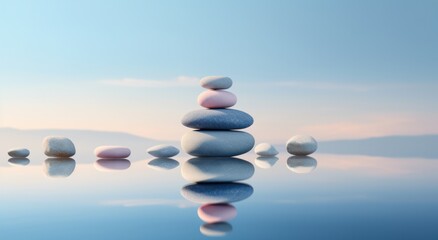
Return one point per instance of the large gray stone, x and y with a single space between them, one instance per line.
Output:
216 82
19 152
209 143
58 147
216 169
301 145
217 119
59 167
163 151
217 192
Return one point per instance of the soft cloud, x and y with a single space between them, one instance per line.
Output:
181 81
149 202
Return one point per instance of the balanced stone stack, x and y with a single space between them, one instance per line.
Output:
216 140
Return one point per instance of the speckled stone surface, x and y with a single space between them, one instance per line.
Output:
217 119
216 192
208 143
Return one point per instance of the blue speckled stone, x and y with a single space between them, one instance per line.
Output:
209 143
217 192
217 119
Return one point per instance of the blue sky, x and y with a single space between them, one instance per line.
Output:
364 67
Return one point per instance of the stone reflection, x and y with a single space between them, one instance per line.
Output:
163 164
265 162
19 161
112 165
204 193
59 167
301 164
218 229
219 212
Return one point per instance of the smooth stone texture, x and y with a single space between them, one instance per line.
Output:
216 192
205 143
112 165
59 167
218 229
163 151
221 212
19 162
216 169
301 164
19 153
217 99
265 150
58 147
112 152
301 145
163 164
217 119
265 162
216 82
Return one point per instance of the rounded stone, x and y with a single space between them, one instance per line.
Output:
216 169
301 145
216 82
217 119
301 164
207 143
217 192
59 167
265 150
163 164
19 153
58 147
112 165
217 99
19 162
265 162
163 151
112 152
218 229
221 212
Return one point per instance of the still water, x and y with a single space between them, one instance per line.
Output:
326 197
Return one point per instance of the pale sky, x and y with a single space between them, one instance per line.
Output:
331 69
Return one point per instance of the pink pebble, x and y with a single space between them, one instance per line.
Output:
112 152
217 99
211 213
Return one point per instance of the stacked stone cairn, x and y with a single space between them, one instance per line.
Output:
214 143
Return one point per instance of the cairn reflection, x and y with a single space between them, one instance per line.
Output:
59 167
18 161
218 229
301 164
163 164
112 165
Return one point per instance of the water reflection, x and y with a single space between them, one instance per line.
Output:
265 162
217 192
59 167
112 165
19 162
163 164
301 164
216 169
221 212
218 229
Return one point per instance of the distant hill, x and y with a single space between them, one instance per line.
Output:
425 146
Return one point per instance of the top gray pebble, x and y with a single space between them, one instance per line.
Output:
216 82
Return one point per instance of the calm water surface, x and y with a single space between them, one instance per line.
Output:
328 197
